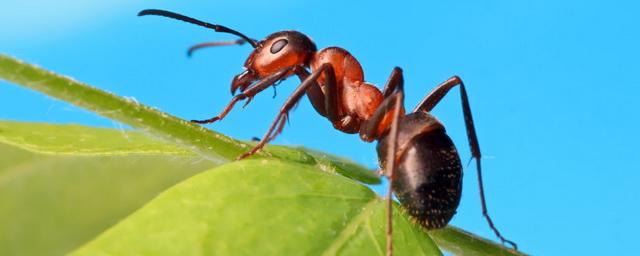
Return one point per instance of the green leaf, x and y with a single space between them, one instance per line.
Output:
51 204
208 144
262 207
83 166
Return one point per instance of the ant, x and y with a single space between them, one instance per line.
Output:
419 159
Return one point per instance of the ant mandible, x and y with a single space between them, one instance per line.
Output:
419 159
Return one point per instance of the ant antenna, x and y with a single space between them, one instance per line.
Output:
217 28
210 44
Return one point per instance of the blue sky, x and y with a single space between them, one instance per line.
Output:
552 85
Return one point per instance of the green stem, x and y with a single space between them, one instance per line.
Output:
460 242
211 145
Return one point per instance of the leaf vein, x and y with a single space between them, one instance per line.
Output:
350 228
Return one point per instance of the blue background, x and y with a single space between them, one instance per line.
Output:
552 85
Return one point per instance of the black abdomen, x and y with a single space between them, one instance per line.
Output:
428 179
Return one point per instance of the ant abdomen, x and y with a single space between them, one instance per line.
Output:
428 181
428 175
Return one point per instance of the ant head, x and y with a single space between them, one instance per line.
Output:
279 50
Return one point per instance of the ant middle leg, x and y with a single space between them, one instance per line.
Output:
378 122
392 104
391 165
429 102
394 82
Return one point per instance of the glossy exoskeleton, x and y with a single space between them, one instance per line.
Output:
415 152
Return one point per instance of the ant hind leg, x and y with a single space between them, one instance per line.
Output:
429 102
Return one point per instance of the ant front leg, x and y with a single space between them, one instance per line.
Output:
429 102
295 97
248 93
325 103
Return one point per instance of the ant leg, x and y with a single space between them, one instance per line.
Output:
248 93
314 92
434 97
295 97
325 103
393 103
377 123
391 164
429 102
393 82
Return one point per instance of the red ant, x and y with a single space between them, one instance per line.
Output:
422 164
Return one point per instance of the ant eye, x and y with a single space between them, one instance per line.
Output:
278 45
